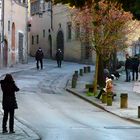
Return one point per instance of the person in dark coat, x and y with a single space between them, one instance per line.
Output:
59 57
135 65
9 103
39 58
128 67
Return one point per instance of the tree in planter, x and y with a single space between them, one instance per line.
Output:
105 26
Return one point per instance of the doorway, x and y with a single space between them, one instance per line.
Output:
60 41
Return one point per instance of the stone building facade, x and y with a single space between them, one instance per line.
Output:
51 28
14 34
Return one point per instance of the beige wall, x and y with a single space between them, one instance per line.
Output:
61 15
15 14
72 48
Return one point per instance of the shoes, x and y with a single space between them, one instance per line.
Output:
4 131
11 132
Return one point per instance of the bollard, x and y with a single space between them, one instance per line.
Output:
88 69
138 111
85 69
109 99
74 81
104 97
81 72
124 98
76 73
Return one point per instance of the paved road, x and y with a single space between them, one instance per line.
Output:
55 114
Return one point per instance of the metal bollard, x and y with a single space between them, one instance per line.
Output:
138 111
74 81
85 69
109 99
76 73
104 97
88 69
124 99
81 72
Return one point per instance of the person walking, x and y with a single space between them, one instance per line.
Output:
9 103
39 58
135 66
59 57
128 67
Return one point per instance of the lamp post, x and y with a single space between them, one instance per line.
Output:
51 15
50 9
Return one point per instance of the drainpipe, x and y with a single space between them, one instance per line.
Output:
51 16
26 30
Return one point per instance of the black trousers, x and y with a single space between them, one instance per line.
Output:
59 62
10 114
135 71
41 63
100 93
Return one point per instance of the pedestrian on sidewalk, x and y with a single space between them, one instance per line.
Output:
9 103
59 57
135 65
108 87
39 58
128 68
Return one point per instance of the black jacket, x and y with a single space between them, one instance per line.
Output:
135 62
59 55
128 63
39 55
9 100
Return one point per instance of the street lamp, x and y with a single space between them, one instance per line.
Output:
49 9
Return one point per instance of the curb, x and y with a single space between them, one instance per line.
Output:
27 130
99 106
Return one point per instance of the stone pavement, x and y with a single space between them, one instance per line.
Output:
120 86
23 132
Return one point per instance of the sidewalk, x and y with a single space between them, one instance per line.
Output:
22 131
132 88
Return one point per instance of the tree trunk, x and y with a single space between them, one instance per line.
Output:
114 60
101 78
96 74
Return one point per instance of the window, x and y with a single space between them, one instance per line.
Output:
22 1
49 6
32 40
69 30
44 33
77 31
8 25
37 39
35 7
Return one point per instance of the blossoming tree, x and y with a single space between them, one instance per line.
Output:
105 26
